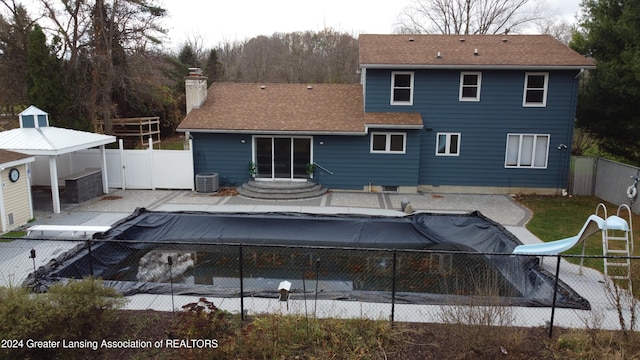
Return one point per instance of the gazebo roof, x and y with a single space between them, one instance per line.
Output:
32 110
50 140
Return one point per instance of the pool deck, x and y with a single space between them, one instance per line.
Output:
15 263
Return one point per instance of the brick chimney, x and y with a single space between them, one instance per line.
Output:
196 89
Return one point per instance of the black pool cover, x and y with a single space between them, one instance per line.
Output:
115 254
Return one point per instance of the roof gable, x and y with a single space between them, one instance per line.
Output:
469 51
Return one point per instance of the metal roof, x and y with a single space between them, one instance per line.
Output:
50 140
32 110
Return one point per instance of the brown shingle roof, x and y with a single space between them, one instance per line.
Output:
393 119
281 108
494 51
7 156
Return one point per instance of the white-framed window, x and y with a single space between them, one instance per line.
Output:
447 144
470 86
402 88
535 89
393 143
527 151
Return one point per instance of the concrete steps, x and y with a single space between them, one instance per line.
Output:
281 190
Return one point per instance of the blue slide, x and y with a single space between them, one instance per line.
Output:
593 224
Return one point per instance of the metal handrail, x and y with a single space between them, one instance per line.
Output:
323 168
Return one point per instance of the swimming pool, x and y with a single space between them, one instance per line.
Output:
425 258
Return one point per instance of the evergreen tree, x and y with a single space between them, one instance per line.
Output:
213 68
607 107
44 77
187 56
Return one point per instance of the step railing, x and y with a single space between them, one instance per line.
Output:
323 168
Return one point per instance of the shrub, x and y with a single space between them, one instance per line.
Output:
86 305
78 310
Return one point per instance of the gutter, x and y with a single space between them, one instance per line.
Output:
273 132
479 67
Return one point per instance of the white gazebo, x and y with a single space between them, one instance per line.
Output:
35 137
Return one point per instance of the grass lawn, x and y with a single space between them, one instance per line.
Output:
556 217
12 235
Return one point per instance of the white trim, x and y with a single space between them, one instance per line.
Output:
478 86
479 67
392 126
271 132
533 151
387 149
448 143
393 87
545 89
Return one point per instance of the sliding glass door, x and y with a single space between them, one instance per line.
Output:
282 158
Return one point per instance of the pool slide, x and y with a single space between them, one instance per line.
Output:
593 224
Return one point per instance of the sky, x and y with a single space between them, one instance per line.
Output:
235 20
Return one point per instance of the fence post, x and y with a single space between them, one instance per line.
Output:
90 259
393 287
555 294
241 283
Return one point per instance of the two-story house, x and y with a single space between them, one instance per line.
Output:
442 113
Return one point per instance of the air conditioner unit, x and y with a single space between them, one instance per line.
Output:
207 182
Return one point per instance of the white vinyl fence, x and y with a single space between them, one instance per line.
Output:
126 169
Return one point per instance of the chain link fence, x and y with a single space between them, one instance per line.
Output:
436 285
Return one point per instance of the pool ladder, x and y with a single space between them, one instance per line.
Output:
617 240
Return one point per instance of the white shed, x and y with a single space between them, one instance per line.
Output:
16 204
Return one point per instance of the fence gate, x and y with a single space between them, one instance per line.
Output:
137 168
583 175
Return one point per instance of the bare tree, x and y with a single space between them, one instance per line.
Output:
557 27
327 56
121 26
468 16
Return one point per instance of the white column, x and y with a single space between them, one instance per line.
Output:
151 160
27 166
105 178
3 210
55 191
123 176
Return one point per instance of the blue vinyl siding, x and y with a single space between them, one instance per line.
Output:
483 128
224 154
484 125
354 167
348 157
